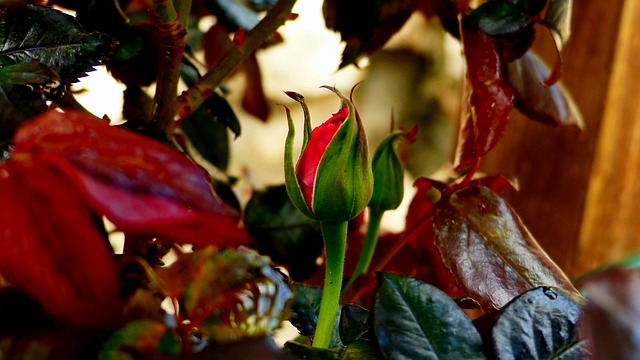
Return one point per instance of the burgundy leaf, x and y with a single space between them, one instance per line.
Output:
490 99
141 185
253 99
489 250
549 104
50 246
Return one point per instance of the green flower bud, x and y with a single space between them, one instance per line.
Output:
332 180
388 172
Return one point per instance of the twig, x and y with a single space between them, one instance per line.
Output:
193 97
172 18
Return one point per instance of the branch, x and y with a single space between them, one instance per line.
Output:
172 18
195 96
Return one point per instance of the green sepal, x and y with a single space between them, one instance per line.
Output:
388 174
307 118
344 180
290 180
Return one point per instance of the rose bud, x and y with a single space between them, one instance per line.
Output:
333 180
388 172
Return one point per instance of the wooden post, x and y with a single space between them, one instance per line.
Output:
554 164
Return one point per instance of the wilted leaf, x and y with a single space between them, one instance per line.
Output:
559 19
549 104
489 250
140 337
45 35
50 247
490 99
127 178
282 232
365 26
539 324
228 295
305 309
613 313
414 320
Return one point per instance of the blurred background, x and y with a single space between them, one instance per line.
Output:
579 191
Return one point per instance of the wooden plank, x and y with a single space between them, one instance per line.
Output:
611 224
553 164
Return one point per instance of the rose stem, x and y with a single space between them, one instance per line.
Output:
369 246
335 243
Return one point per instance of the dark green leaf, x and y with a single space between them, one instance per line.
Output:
283 232
559 19
45 35
17 104
499 18
208 136
415 320
359 350
305 308
216 104
488 249
27 73
539 324
354 323
549 104
612 313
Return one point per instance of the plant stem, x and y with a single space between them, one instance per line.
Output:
335 244
172 18
193 97
369 247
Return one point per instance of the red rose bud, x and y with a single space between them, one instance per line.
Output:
388 172
332 180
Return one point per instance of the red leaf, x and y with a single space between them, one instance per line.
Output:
253 99
489 250
128 178
549 104
490 99
423 240
215 43
50 247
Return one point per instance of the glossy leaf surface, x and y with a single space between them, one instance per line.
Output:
490 99
489 250
42 34
305 309
549 104
128 177
414 320
539 324
559 19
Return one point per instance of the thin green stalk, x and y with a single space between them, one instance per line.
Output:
369 246
335 244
